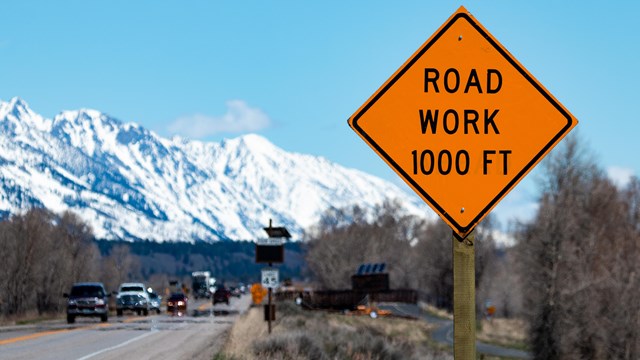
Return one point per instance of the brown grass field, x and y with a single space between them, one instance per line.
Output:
301 334
505 332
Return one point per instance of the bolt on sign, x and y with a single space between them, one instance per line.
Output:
462 122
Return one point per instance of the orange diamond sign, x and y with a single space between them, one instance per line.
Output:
462 122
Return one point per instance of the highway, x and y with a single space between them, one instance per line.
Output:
198 334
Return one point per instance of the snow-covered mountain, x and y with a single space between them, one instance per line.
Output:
129 183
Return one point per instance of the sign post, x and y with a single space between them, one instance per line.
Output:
270 280
464 297
271 251
462 122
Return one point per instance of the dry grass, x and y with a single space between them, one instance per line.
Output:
511 333
31 317
506 332
245 330
441 313
299 334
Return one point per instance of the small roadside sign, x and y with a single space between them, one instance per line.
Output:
270 278
462 122
271 241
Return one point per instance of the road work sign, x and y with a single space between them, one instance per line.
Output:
462 122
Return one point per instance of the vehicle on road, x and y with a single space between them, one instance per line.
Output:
132 302
132 296
155 301
202 284
88 299
177 303
221 295
243 288
235 291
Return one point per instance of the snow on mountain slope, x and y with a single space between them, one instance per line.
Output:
129 183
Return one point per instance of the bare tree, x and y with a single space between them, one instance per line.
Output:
120 266
24 239
555 230
344 239
9 269
41 253
71 256
433 261
76 238
578 260
502 285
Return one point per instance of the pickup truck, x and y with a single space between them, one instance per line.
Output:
133 297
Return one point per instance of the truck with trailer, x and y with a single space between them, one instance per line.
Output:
202 284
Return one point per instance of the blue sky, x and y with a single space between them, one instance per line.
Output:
294 71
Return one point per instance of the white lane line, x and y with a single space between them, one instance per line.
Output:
119 345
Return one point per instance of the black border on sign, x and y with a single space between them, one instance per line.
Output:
462 229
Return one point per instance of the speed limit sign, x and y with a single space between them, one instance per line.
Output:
270 278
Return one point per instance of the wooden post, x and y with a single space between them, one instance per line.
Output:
464 298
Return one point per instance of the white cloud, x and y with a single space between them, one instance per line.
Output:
522 211
239 118
521 204
503 238
619 175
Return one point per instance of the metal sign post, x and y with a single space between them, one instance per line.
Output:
270 279
270 315
270 251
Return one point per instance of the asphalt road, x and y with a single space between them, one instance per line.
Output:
198 334
444 331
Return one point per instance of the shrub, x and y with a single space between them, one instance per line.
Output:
289 347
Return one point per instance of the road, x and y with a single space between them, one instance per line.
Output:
444 331
199 334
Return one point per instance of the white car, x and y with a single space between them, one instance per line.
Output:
134 297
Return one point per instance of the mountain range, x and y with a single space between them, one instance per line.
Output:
129 183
